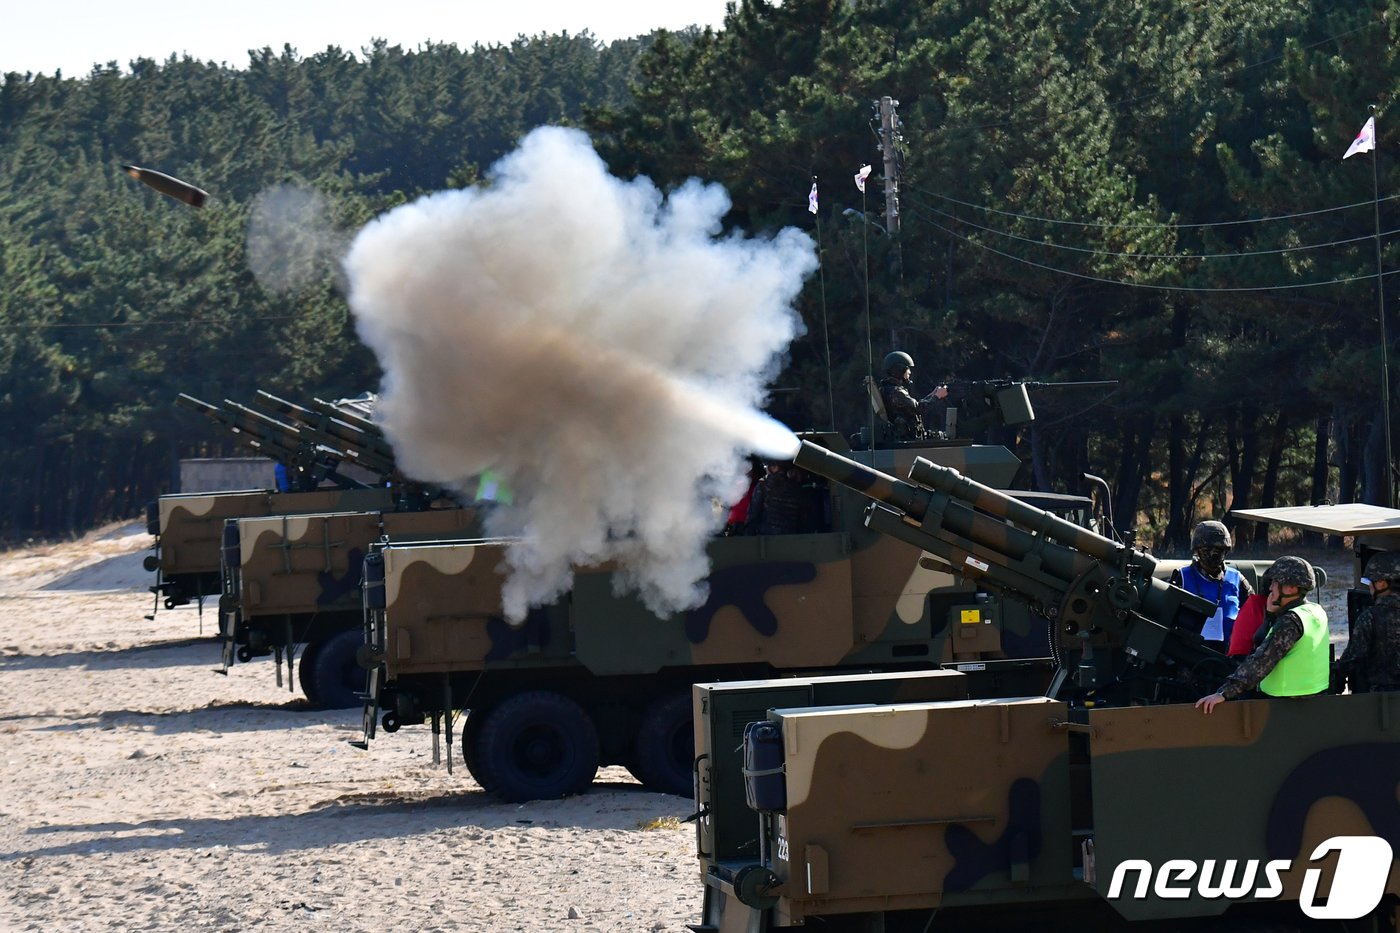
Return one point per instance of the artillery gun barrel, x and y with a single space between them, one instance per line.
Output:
968 541
372 433
272 439
965 489
1008 545
904 496
349 417
194 404
1092 586
255 419
365 446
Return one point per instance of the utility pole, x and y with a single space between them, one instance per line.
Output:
889 137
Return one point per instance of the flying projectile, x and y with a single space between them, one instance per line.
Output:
172 187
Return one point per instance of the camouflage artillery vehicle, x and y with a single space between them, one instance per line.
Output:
188 528
1108 802
598 679
294 580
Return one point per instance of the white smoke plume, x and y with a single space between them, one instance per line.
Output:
292 239
601 347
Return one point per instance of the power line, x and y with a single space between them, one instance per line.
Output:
1153 286
1182 255
186 323
1159 226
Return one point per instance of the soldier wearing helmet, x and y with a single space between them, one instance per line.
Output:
906 414
1209 578
1372 659
1292 660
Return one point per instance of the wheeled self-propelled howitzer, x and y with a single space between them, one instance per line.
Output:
333 457
188 526
1117 632
293 579
597 678
904 805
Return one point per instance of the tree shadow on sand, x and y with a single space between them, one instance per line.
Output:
360 818
200 650
222 717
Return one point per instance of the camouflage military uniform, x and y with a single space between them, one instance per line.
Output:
1372 658
906 419
1284 630
779 505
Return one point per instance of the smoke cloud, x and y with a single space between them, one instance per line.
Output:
601 347
292 240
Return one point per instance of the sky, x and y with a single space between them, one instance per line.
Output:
73 35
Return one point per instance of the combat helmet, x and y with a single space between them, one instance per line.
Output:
1211 534
896 362
1384 566
1293 571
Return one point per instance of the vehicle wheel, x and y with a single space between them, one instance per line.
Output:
334 676
304 671
539 745
665 750
471 738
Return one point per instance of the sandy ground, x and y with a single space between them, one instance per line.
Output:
145 792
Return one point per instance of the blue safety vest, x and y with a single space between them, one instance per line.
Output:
1224 593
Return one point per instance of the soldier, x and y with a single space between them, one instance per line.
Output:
1208 577
905 413
1372 659
1292 661
779 502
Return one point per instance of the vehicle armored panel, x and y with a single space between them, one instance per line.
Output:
188 530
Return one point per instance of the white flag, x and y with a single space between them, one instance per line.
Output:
1365 141
861 176
812 199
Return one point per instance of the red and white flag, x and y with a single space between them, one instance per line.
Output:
812 199
1365 141
861 176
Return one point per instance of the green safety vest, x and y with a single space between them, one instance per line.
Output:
1305 669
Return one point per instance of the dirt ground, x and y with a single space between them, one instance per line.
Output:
143 791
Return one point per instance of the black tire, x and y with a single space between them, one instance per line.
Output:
334 676
304 675
471 737
539 745
665 750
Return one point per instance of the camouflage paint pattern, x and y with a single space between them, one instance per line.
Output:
1261 779
722 710
966 804
308 563
443 612
845 596
190 525
901 806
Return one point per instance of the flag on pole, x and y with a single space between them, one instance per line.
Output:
812 199
1365 141
861 176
